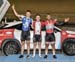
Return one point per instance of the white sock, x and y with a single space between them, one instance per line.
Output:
39 53
46 53
53 52
34 52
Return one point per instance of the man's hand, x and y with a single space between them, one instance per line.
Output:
13 6
55 20
67 19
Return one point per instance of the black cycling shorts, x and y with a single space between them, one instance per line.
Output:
50 37
25 35
37 38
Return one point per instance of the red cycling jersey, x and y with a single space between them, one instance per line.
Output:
50 26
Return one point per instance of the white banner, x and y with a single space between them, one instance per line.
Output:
17 35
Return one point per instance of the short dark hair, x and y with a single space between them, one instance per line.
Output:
48 13
37 14
28 11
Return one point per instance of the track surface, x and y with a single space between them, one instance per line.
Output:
60 58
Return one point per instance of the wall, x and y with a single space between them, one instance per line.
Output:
58 8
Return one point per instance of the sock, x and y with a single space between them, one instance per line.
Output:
39 52
53 52
34 52
46 53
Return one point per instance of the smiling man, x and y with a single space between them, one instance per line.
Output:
26 23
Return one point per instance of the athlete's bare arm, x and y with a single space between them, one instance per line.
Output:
61 23
32 25
16 14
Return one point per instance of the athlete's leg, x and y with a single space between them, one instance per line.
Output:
46 49
22 46
22 49
34 49
39 47
53 50
53 45
28 43
28 48
46 45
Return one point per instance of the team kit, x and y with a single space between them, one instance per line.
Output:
37 26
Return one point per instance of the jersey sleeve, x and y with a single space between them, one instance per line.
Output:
21 17
31 21
60 23
43 24
55 21
33 24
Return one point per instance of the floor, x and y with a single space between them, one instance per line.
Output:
60 58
